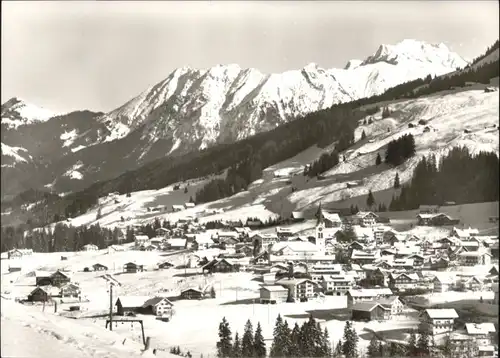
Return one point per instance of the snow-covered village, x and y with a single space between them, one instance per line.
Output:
226 211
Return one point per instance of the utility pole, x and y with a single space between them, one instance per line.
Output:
110 306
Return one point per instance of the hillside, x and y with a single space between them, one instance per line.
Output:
194 109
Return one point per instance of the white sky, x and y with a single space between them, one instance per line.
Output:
97 55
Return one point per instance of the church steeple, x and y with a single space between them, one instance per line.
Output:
319 214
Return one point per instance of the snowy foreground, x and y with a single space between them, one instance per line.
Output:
28 332
194 324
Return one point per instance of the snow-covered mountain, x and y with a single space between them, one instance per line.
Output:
198 108
17 112
194 109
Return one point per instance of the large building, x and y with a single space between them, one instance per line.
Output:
440 321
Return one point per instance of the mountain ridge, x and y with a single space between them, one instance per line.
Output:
193 110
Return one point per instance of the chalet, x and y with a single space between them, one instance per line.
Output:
473 284
393 303
43 278
337 285
189 205
318 271
99 267
299 289
439 219
245 249
369 311
176 208
165 265
474 258
470 245
203 241
140 240
19 253
132 267
70 290
439 321
220 265
90 247
364 257
176 244
40 294
273 294
59 278
404 281
367 294
157 241
418 260
191 294
159 306
294 248
402 264
464 234
378 233
367 219
443 282
378 277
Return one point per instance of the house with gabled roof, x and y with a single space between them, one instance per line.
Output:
482 333
443 281
273 294
393 303
365 218
299 289
404 281
464 234
71 290
367 294
474 258
369 311
439 320
43 294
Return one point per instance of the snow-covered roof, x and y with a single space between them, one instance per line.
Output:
333 217
141 237
274 288
473 253
294 281
177 242
440 313
297 246
366 306
370 292
464 232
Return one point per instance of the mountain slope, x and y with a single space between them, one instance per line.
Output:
196 109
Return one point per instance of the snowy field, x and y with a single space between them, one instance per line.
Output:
448 115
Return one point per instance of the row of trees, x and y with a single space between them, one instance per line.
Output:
250 345
61 238
460 177
400 149
325 162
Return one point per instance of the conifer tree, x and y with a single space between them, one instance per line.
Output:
259 344
247 342
412 344
326 347
373 347
294 349
370 200
378 160
338 349
423 341
350 344
224 345
447 347
397 185
363 135
277 349
236 353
